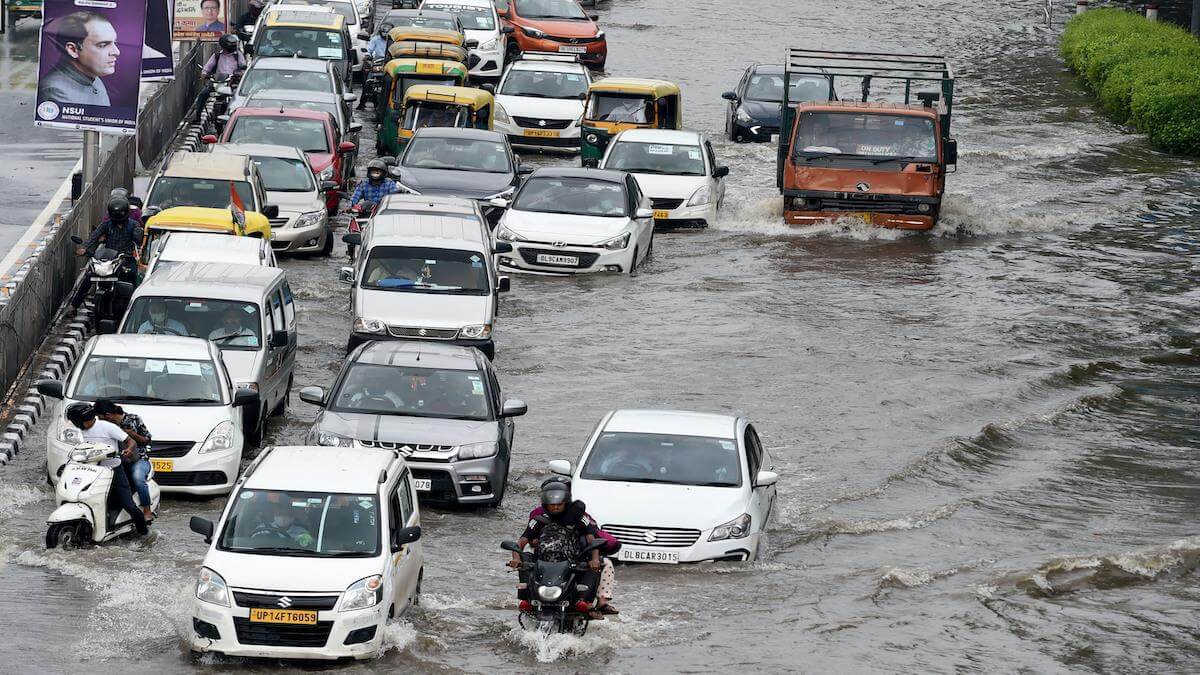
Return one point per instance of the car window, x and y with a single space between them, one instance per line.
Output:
257 79
753 451
664 458
170 191
277 324
712 157
289 306
302 42
310 524
231 324
308 135
412 392
406 500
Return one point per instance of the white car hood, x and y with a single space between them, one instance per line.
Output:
660 186
300 202
552 227
289 574
179 422
241 364
423 310
650 505
548 108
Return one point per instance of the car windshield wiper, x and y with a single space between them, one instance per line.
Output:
715 483
138 398
272 550
898 158
195 399
345 554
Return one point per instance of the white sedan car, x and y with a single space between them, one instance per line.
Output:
539 102
707 476
570 221
677 170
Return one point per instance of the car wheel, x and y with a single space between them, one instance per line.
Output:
260 427
650 247
327 249
633 264
495 503
512 52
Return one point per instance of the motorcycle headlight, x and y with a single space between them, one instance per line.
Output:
744 116
505 234
701 196
107 268
502 114
475 332
362 325
333 440
549 593
210 587
326 173
735 529
478 450
67 433
616 243
362 594
489 45
220 438
309 219
534 33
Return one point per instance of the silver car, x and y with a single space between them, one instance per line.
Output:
438 405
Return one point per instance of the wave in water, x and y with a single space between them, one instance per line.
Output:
1101 572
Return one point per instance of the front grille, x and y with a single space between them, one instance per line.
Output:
424 333
279 222
190 478
272 601
666 203
585 259
872 205
576 40
542 141
282 634
170 448
668 537
407 449
541 123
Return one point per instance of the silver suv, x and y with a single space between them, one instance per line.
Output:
439 405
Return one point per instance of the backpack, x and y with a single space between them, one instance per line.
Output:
558 543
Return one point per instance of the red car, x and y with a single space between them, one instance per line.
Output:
559 26
313 131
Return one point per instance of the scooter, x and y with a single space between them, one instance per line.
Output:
360 217
555 603
84 492
110 295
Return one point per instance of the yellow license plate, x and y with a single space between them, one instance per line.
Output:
162 465
662 215
859 215
429 68
541 133
301 616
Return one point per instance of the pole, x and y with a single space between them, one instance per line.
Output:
91 156
1152 12
1196 18
1080 6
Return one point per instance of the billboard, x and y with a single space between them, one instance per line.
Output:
156 51
203 20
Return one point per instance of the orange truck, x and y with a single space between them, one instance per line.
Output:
884 163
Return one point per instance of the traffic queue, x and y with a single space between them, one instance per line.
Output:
319 545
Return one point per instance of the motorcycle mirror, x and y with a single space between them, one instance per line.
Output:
202 526
51 388
510 545
77 240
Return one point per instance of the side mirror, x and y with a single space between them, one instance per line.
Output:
346 274
202 526
513 408
270 210
720 172
51 388
327 185
355 127
279 339
387 159
313 395
108 326
346 147
561 467
394 171
499 202
245 398
503 247
352 238
508 30
471 44
765 478
223 119
643 213
730 96
349 98
209 138
510 545
590 162
224 90
405 535
951 151
504 284
488 87
525 170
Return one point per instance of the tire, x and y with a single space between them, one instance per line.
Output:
495 503
512 52
633 264
260 428
327 249
650 248
416 598
65 535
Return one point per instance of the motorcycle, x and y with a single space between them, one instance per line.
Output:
84 490
555 603
223 88
360 217
110 295
373 87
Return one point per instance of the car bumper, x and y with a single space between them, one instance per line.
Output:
467 482
524 258
211 473
491 63
289 239
564 139
488 346
686 216
755 131
885 220
703 550
340 625
594 55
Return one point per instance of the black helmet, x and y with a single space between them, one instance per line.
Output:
376 165
78 413
118 209
555 492
229 42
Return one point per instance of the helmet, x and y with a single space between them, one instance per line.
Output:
229 42
376 165
555 492
78 413
385 28
118 209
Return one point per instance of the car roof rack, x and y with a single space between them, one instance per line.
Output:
549 56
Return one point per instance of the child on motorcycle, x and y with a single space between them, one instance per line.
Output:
136 463
83 416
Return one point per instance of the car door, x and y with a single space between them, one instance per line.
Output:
761 498
289 324
404 564
276 378
643 227
507 425
716 185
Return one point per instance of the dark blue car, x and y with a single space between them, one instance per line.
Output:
755 107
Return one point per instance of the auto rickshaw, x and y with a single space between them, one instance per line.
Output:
445 51
200 219
617 104
399 76
419 34
427 105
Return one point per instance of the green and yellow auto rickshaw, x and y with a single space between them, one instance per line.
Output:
409 42
399 76
428 105
616 104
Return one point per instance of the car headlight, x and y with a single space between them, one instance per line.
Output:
210 587
220 438
332 440
744 116
701 196
489 45
616 243
406 189
502 114
309 219
67 433
476 332
362 594
599 35
735 529
549 593
362 325
327 173
507 194
478 450
505 234
534 33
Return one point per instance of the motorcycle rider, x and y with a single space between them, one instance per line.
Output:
608 578
137 464
377 51
370 190
227 61
83 416
119 232
249 18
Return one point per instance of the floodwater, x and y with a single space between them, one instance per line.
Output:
986 434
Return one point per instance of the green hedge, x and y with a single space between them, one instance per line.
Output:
1144 73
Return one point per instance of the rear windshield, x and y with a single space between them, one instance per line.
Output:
617 108
257 79
284 174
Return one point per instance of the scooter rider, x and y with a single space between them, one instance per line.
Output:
137 464
377 50
83 416
227 61
119 232
375 186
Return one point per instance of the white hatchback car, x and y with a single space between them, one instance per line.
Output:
315 550
677 170
570 221
708 477
539 102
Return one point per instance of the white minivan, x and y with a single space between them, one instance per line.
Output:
316 549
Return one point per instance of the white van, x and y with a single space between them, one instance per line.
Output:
426 272
316 549
180 247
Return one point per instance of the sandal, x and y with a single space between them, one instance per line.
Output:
609 610
595 615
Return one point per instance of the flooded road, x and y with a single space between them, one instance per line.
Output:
986 434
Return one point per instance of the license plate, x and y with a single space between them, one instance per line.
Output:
545 259
301 616
861 215
569 49
435 68
541 133
163 465
642 555
423 484
662 214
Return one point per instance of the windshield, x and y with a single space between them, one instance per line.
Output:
150 381
310 524
305 134
231 324
870 136
676 160
549 9
617 108
664 458
425 114
457 154
420 392
285 174
769 87
422 22
471 18
208 193
407 81
544 84
577 196
277 103
415 269
257 79
310 43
